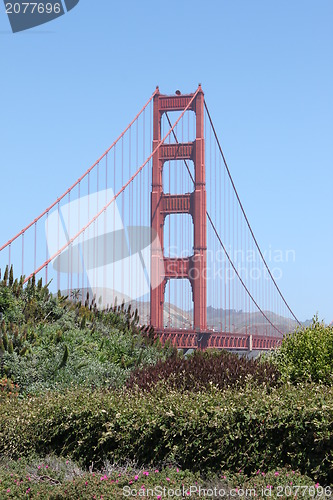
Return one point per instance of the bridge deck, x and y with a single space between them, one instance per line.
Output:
190 339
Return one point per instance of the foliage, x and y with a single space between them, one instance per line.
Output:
56 479
53 478
50 342
307 354
209 412
8 389
203 369
210 430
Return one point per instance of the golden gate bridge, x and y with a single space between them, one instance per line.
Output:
157 222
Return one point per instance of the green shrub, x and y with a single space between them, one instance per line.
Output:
210 430
307 354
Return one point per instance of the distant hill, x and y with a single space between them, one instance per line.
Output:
217 319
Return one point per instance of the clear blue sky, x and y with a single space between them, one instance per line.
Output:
68 89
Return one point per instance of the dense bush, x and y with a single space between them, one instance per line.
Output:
203 369
50 342
307 354
244 429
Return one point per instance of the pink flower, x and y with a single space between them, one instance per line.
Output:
317 485
136 478
146 473
8 491
177 470
156 471
276 473
167 478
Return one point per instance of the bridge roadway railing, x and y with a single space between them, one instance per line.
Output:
190 339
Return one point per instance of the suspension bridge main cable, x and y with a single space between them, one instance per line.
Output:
246 219
223 247
70 241
9 242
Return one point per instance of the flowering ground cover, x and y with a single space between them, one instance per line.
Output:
54 478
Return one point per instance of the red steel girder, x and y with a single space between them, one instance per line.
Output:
176 268
176 204
189 339
179 151
175 103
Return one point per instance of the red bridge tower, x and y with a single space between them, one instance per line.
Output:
192 268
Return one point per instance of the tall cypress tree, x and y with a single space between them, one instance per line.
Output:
5 276
11 276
